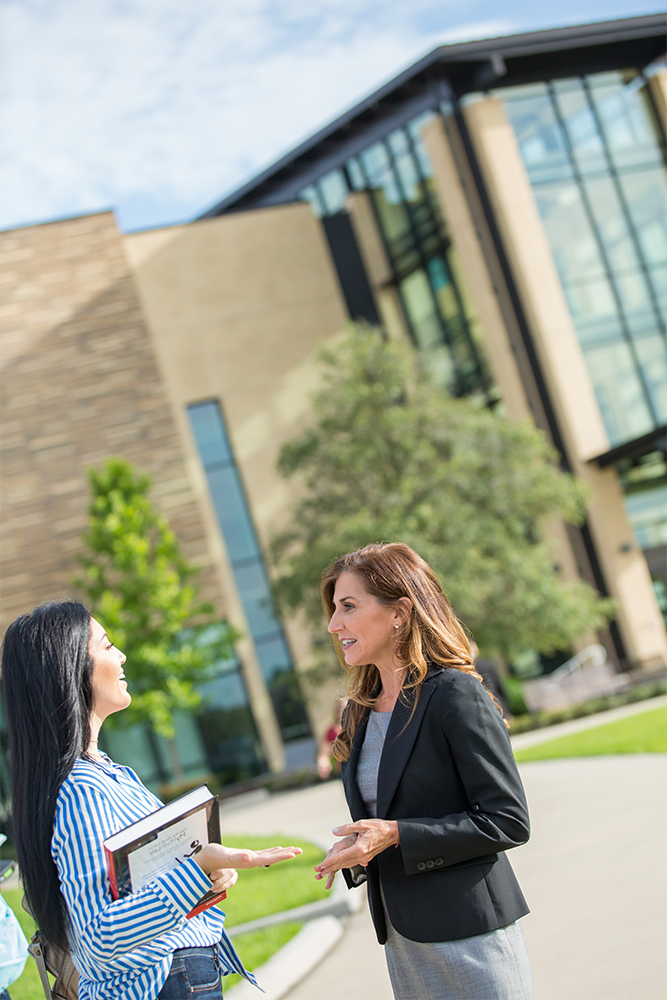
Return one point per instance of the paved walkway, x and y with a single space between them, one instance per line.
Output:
594 873
595 876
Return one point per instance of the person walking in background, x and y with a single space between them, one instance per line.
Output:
62 677
324 762
431 782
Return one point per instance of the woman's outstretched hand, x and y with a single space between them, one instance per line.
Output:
216 857
361 842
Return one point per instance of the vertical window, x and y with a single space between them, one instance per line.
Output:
249 568
227 728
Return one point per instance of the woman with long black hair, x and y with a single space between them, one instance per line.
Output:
62 677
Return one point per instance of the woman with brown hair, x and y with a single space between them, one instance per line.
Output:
431 782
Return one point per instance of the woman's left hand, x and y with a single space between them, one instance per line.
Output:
216 857
371 837
223 879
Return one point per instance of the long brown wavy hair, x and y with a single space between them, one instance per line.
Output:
431 634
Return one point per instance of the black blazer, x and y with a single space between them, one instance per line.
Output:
448 775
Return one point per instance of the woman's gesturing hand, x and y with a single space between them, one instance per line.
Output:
223 879
362 841
215 857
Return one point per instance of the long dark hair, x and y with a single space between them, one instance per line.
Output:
46 677
432 634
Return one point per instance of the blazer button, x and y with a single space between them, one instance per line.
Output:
438 862
475 807
420 866
430 864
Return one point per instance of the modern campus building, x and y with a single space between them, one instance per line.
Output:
501 203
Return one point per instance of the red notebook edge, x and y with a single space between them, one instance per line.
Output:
201 906
111 871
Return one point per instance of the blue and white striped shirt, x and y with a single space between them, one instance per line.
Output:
123 948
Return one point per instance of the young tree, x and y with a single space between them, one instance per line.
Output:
141 588
390 457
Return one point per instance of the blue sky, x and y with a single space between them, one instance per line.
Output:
158 108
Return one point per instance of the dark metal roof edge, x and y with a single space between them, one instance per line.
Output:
532 42
509 46
655 440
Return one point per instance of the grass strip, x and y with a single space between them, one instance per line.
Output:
256 947
523 723
645 732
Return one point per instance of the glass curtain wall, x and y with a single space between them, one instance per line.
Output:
226 727
644 482
397 174
596 161
249 569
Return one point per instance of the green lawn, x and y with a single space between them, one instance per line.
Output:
642 733
257 947
258 892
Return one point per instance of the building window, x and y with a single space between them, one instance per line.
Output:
397 174
249 569
594 157
227 728
644 482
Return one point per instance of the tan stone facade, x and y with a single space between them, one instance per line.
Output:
106 340
236 306
80 382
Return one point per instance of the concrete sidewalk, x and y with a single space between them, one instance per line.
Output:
594 874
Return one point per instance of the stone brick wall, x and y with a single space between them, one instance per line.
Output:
79 382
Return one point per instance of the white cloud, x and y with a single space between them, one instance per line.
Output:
159 107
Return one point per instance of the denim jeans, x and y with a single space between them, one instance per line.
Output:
195 975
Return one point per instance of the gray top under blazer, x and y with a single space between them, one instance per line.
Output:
448 775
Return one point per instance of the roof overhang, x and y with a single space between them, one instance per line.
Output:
655 440
463 68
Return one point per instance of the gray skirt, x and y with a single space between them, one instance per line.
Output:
491 966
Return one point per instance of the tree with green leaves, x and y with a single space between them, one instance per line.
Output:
390 457
144 592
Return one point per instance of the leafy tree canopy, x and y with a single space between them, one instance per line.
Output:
389 457
141 588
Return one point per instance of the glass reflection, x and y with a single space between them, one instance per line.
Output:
228 730
593 158
397 174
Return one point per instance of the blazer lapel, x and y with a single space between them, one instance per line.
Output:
398 744
355 802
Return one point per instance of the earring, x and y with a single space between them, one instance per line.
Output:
396 626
